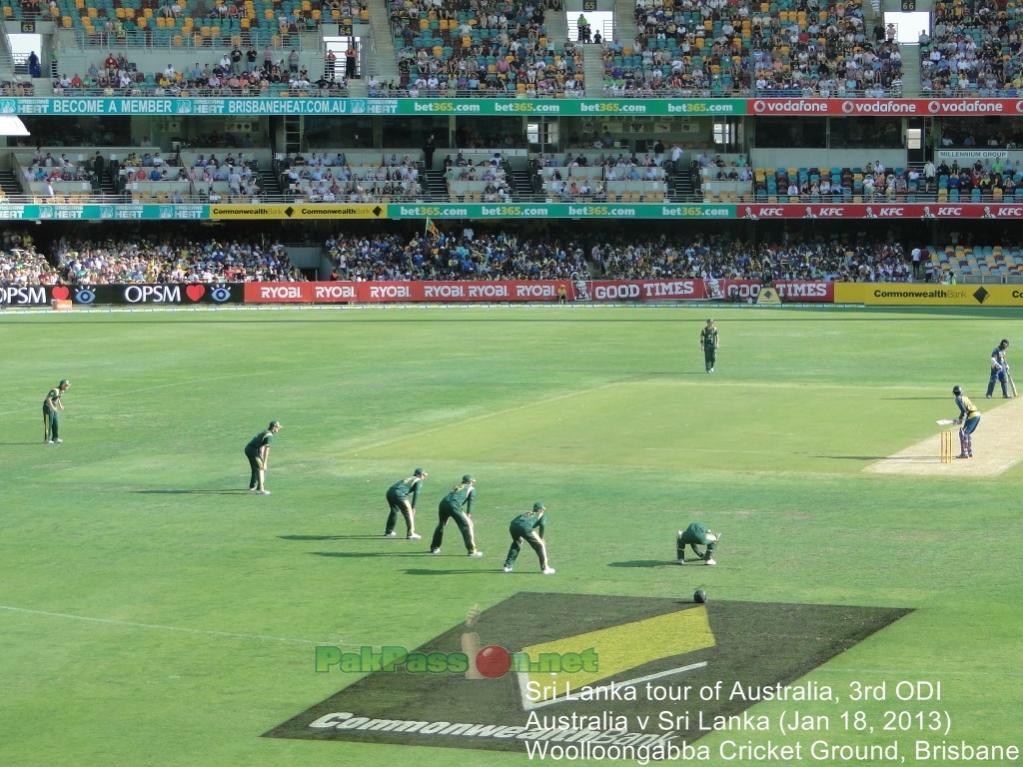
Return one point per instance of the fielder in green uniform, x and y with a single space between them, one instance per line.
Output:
528 527
450 507
709 344
697 534
258 453
52 406
400 503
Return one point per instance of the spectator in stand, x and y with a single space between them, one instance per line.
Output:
469 255
21 263
169 260
351 60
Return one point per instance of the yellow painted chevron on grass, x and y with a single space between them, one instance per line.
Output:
626 646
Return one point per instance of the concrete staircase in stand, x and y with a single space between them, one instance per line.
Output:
556 23
593 70
625 21
910 69
380 59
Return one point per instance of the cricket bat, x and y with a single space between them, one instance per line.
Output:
944 422
1012 384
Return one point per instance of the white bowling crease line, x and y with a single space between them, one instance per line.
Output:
179 629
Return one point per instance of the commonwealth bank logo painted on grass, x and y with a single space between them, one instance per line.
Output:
647 651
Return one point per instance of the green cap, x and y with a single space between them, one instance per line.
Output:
418 472
468 478
538 506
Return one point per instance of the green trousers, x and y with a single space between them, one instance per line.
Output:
709 356
464 522
398 506
520 534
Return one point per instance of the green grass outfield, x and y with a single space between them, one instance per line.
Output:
146 618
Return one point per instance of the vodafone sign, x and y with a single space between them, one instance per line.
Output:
960 107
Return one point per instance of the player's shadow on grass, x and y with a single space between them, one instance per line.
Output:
360 554
641 563
192 491
329 537
897 399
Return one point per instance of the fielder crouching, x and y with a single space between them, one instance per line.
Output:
697 534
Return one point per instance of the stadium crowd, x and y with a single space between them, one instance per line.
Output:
985 179
713 47
467 254
481 47
326 177
974 49
463 253
21 263
235 73
168 260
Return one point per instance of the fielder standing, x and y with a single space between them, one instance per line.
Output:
400 503
709 344
451 505
258 453
969 418
52 406
999 369
529 527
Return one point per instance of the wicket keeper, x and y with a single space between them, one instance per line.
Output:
709 344
528 527
258 453
400 503
697 534
450 507
52 406
969 418
999 369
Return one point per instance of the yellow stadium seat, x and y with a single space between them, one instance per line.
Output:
244 23
66 22
176 41
93 13
268 14
147 12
